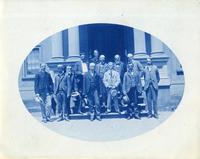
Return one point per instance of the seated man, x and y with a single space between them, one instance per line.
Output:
111 81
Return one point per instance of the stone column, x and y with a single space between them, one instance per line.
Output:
156 46
57 48
73 41
139 42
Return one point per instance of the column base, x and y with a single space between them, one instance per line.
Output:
54 61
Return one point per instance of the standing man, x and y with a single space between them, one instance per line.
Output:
111 81
95 58
43 87
69 86
100 69
129 58
119 66
91 91
60 93
81 67
130 83
151 78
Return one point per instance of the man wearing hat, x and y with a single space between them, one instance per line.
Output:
111 81
151 78
91 91
100 69
43 87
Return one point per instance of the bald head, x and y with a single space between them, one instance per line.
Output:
149 61
117 58
110 65
92 66
101 58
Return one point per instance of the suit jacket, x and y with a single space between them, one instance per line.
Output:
95 60
151 76
120 68
111 80
58 80
87 84
131 79
137 67
43 83
67 84
101 69
78 68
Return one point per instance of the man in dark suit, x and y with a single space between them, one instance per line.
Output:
91 91
119 66
100 69
151 78
69 87
43 87
130 83
60 93
95 58
81 67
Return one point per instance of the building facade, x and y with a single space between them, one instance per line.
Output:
109 40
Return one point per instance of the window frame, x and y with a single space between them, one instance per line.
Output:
25 75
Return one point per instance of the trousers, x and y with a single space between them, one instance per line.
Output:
152 95
45 105
133 100
93 101
111 99
63 104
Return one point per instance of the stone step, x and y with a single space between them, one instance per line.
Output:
103 115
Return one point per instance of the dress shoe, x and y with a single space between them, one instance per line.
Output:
129 117
99 118
150 116
60 119
91 117
107 111
156 116
136 116
49 119
80 112
66 118
44 120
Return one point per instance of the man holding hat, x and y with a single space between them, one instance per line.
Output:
91 92
43 87
111 81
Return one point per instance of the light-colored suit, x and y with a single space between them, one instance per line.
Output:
111 80
151 78
151 74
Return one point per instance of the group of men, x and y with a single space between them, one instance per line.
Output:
98 85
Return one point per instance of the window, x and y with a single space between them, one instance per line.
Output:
31 64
